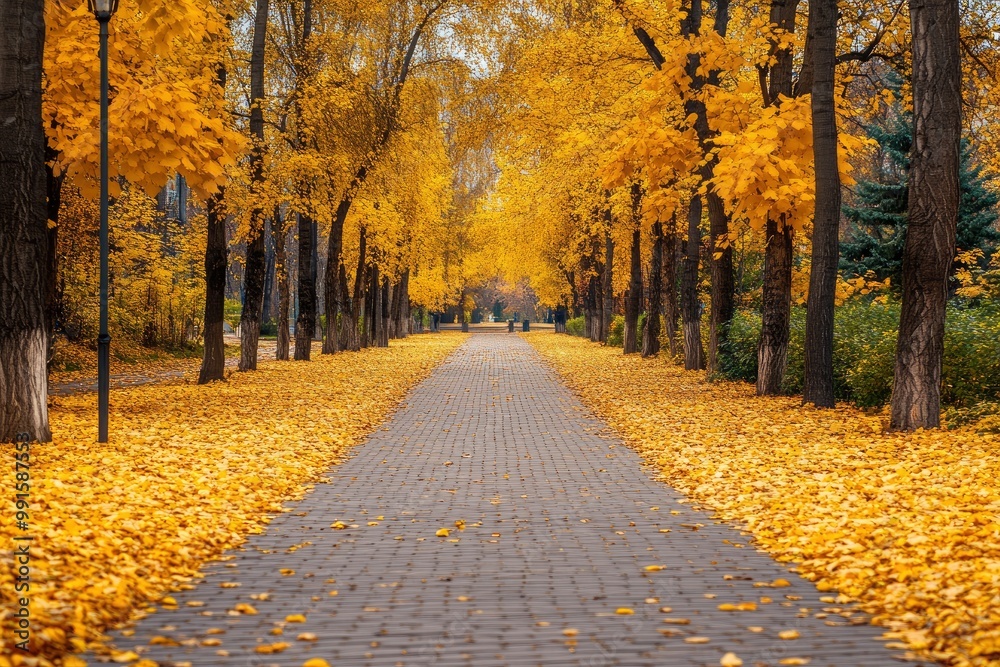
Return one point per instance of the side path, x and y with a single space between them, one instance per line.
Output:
134 377
560 524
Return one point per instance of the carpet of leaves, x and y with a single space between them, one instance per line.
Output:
190 472
904 525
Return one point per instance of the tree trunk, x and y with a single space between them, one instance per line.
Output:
383 321
671 312
253 302
334 250
723 280
397 314
772 351
269 273
280 230
374 307
213 363
591 310
305 323
607 285
253 277
818 388
53 297
651 328
406 304
600 328
633 300
354 318
723 277
574 295
346 308
694 354
364 317
23 229
720 253
932 212
392 325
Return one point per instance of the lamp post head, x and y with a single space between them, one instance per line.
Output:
103 9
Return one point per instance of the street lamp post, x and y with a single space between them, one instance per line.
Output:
103 9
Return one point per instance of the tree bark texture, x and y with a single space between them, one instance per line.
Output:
270 293
671 311
932 213
23 228
305 323
400 315
651 327
633 301
694 354
592 310
253 277
352 339
772 350
383 320
574 295
372 306
53 295
280 230
720 253
213 363
818 388
334 251
607 283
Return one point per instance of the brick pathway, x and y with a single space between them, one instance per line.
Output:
560 522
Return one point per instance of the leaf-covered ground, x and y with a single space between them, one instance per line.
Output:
905 524
190 471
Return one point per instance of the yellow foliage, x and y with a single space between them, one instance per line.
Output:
903 523
190 471
156 264
166 107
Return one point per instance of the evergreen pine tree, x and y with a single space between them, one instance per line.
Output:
877 230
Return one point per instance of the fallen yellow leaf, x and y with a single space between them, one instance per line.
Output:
276 647
124 656
731 660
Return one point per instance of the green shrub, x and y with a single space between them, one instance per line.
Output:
865 348
616 334
986 414
638 330
738 353
576 326
971 369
